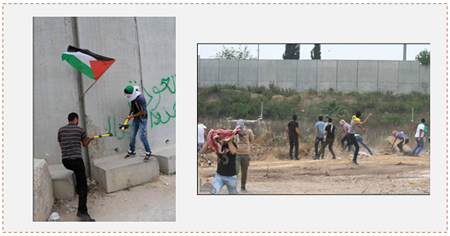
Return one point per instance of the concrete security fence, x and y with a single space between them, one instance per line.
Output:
320 75
144 50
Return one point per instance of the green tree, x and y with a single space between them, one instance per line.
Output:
235 53
424 57
315 52
292 51
333 109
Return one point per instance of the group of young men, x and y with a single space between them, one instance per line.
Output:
71 136
420 132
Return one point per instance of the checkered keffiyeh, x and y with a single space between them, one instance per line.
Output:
216 137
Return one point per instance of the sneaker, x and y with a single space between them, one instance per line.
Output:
130 154
243 190
148 156
290 158
296 158
209 163
85 217
354 161
316 158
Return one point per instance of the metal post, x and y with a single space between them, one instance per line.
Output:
404 52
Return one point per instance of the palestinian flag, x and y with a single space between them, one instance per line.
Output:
88 63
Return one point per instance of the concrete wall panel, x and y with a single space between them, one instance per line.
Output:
145 56
267 72
367 76
248 73
347 76
157 43
409 76
307 75
287 74
228 71
105 105
209 72
388 76
326 75
55 85
424 79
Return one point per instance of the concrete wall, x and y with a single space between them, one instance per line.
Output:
321 75
144 49
42 191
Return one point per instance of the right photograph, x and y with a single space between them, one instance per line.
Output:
313 119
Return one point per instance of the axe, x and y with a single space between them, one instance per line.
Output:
125 126
104 135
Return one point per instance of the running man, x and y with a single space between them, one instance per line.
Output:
356 122
421 129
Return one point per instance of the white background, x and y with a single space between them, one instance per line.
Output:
236 24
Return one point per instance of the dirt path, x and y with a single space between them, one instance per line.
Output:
378 174
152 201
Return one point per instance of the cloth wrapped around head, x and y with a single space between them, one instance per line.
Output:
216 137
395 132
131 92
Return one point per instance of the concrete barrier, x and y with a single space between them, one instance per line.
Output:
63 182
320 75
116 173
42 191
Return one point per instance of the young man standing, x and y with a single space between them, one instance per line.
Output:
421 129
139 111
356 122
330 130
318 135
403 137
70 138
201 135
226 167
244 139
293 132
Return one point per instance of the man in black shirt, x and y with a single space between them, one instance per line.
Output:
226 168
292 130
330 130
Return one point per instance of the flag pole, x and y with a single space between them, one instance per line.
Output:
88 89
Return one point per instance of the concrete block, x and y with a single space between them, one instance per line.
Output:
42 190
287 74
248 73
209 71
116 173
388 76
367 76
63 182
326 75
267 72
228 72
347 76
408 76
424 79
307 75
166 158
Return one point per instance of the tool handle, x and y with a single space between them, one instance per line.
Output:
126 120
103 135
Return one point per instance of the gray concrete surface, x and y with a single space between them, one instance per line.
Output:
63 182
145 56
117 173
320 75
42 191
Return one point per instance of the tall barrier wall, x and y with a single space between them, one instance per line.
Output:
144 49
320 75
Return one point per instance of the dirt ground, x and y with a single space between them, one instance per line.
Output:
375 174
152 201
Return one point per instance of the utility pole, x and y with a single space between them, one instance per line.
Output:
258 51
404 52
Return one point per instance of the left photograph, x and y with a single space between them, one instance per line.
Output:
104 119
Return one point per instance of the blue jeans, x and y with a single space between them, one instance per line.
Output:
417 149
139 125
229 181
361 140
354 142
316 145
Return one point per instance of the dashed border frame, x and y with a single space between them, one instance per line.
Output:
213 232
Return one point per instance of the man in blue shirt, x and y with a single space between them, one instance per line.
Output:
139 113
402 136
318 136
